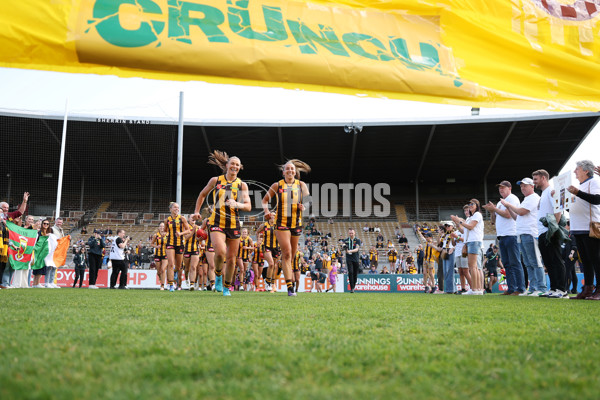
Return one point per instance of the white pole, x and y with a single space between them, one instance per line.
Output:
62 161
179 150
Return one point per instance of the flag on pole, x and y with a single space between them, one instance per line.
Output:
20 245
40 251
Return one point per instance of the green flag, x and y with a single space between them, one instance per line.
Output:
20 245
40 251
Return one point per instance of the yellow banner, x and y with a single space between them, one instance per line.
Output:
538 54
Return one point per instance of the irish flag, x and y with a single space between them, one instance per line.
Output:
20 245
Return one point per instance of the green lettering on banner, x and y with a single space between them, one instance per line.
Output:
180 21
308 39
110 29
239 22
353 41
400 51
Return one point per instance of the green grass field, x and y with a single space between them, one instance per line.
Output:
86 344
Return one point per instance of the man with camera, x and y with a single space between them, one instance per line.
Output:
352 246
117 259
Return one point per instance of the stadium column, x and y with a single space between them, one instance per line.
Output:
180 149
62 160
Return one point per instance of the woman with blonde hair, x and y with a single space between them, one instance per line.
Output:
290 193
224 224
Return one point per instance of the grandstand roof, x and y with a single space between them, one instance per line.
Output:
44 94
446 149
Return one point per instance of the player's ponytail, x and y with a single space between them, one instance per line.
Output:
300 166
220 159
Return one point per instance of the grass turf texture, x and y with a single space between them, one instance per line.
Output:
89 344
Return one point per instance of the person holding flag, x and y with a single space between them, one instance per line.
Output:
58 245
21 242
40 252
5 215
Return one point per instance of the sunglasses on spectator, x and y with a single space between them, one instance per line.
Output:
45 223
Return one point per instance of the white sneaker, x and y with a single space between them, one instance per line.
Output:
535 293
479 292
546 293
93 287
469 293
40 286
558 294
55 286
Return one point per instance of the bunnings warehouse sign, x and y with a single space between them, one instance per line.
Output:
387 283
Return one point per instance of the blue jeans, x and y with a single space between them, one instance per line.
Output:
50 274
7 275
511 258
448 265
532 260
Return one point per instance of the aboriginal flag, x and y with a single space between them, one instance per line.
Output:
20 245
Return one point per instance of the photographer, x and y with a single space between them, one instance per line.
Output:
96 245
352 246
117 258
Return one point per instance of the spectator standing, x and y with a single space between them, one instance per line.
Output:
506 231
5 215
448 254
56 233
550 252
583 211
80 266
96 245
352 247
420 258
526 215
117 259
473 229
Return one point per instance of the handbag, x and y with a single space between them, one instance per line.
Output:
445 254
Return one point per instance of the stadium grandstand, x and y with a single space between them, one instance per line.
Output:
120 167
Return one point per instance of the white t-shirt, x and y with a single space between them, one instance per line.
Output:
527 224
117 253
579 213
506 226
475 234
545 207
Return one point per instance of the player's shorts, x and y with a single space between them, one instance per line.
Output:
229 233
188 254
178 249
294 231
332 279
493 272
159 258
274 252
244 260
259 262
